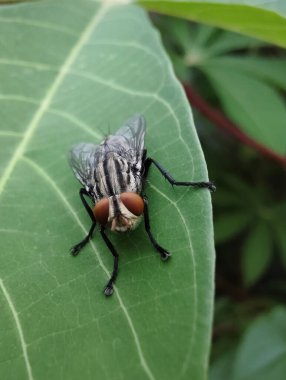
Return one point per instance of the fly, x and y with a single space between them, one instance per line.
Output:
113 174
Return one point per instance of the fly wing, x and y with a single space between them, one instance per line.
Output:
83 159
128 142
129 139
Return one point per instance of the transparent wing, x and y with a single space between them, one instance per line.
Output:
83 159
129 139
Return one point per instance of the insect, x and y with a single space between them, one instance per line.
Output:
113 174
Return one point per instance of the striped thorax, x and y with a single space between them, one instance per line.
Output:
112 175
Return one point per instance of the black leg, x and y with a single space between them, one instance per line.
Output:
77 248
172 181
108 290
163 252
82 193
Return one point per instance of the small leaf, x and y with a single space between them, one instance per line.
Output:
256 253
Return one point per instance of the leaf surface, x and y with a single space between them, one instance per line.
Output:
70 72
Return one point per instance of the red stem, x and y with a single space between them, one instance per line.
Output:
224 123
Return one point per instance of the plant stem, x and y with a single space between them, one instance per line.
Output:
221 121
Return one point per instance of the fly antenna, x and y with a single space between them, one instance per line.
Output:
101 130
108 128
106 134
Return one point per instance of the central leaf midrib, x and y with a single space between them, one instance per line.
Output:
32 127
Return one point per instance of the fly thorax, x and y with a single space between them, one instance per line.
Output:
120 218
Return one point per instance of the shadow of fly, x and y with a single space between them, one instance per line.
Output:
113 174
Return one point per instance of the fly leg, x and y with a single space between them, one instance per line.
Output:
108 290
162 251
77 248
149 161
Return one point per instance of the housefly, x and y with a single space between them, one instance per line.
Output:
113 174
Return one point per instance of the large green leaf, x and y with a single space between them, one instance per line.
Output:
70 72
257 18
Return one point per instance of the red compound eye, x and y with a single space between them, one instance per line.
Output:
133 202
101 211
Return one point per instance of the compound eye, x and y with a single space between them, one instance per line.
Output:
133 202
101 211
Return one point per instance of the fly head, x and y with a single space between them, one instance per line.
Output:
121 212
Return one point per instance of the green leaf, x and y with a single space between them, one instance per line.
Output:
231 224
262 351
251 103
226 42
70 72
270 70
279 227
264 20
256 253
222 367
212 42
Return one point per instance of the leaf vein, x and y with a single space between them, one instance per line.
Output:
19 329
46 176
37 24
75 120
32 127
145 94
11 134
194 287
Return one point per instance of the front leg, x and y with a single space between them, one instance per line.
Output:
78 247
162 251
108 290
149 161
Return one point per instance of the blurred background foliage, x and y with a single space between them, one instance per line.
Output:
236 87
